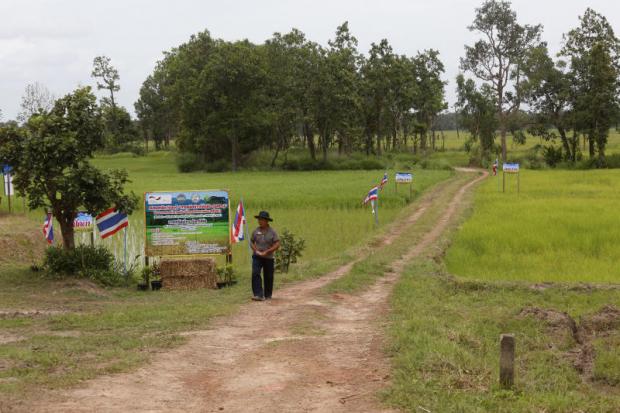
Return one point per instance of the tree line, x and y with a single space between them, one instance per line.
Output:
223 100
574 95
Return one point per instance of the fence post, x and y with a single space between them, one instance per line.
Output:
507 360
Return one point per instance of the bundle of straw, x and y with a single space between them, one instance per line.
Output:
188 274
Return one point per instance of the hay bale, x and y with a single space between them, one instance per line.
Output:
188 274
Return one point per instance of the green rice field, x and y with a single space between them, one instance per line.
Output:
323 207
562 226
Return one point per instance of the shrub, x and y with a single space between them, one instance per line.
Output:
189 162
290 250
85 261
552 155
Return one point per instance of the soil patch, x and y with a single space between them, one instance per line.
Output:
598 324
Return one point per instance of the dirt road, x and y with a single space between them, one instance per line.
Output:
303 351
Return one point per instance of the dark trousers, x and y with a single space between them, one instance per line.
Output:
265 264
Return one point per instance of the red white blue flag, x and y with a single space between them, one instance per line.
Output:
372 195
48 228
110 221
238 227
383 181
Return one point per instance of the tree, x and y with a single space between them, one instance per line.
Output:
36 98
107 76
50 158
550 95
498 58
429 101
593 52
477 114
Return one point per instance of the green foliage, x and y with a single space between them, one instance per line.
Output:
95 263
498 59
225 100
291 249
50 157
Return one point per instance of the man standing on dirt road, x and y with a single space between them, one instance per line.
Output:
264 242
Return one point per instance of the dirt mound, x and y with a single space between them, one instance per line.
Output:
598 324
606 319
21 240
558 321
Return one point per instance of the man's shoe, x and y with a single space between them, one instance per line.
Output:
256 298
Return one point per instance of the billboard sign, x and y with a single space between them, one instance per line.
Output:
403 178
187 223
8 184
83 222
511 168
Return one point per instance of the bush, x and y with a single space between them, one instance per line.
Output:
290 250
135 148
552 155
189 162
85 261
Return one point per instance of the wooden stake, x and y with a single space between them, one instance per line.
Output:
507 360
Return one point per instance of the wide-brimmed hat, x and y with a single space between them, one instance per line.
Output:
263 215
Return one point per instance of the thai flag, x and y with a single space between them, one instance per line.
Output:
383 181
48 228
372 195
238 227
495 167
110 221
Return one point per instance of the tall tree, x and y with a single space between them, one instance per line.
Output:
107 76
429 99
36 98
50 158
498 58
477 114
593 51
550 94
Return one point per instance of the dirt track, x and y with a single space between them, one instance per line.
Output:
301 352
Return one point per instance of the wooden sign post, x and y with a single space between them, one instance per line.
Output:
507 360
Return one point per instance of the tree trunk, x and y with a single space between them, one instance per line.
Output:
502 135
235 151
591 145
575 145
368 142
66 230
565 144
310 141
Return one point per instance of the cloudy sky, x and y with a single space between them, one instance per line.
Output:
54 41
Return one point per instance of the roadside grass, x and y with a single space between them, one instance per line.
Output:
445 347
82 331
562 227
444 338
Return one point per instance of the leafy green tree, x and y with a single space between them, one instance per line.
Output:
50 157
477 114
429 100
498 58
549 92
107 76
593 52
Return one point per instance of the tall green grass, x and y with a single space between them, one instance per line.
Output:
563 226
